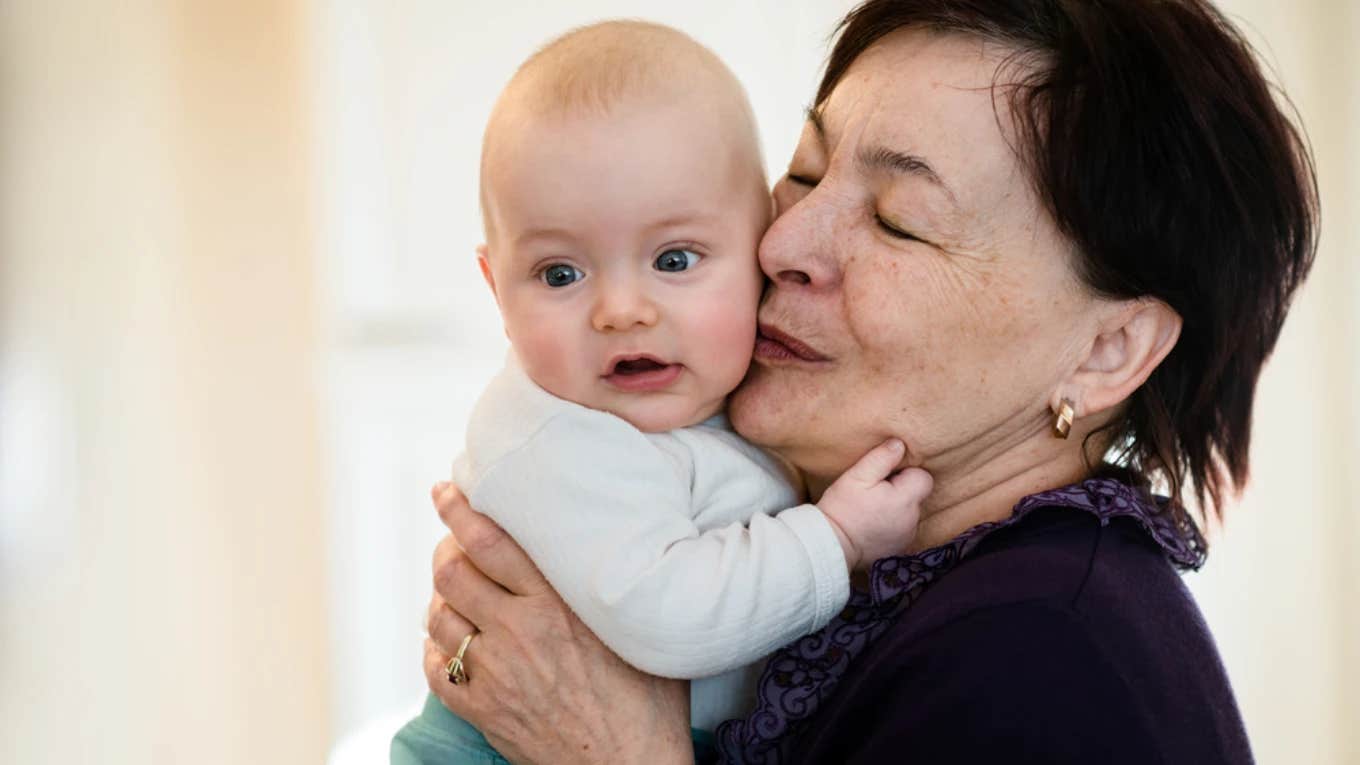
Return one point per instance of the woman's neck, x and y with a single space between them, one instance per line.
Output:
972 494
956 506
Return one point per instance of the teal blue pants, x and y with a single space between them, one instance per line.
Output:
439 737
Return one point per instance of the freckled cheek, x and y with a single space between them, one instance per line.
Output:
1006 322
923 343
888 309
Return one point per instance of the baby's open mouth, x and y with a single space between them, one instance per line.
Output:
637 366
642 374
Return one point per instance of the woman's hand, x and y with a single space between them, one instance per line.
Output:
540 686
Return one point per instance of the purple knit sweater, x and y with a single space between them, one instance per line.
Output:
797 696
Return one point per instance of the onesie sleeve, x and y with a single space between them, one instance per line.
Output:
606 516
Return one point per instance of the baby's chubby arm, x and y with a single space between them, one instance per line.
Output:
873 510
606 516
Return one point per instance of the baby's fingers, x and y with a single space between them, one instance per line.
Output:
912 485
878 463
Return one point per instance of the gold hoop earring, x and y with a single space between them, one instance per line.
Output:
1062 423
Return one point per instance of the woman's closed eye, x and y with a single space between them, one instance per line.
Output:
792 188
560 275
895 231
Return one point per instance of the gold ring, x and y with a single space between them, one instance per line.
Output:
454 669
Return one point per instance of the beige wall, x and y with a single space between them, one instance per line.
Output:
1281 588
163 533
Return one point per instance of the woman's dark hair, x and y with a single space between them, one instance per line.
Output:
1158 147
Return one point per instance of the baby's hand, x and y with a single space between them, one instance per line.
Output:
874 512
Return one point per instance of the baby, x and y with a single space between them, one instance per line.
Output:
624 198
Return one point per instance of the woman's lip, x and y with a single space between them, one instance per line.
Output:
779 346
645 382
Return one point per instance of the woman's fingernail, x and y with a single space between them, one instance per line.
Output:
440 487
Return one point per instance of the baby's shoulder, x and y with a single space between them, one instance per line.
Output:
514 413
718 457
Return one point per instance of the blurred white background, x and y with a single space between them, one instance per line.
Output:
241 327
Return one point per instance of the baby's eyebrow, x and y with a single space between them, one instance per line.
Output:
683 218
543 233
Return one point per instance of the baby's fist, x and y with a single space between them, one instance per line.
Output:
874 511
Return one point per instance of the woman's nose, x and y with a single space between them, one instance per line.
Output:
801 247
620 308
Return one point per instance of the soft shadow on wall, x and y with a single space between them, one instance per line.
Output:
162 544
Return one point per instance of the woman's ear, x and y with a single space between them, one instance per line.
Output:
484 262
1132 342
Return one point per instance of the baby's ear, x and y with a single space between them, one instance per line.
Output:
484 262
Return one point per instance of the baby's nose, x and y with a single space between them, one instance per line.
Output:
622 309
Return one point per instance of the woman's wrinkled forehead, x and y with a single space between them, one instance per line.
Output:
939 99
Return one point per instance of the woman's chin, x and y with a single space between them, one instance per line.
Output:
771 412
760 412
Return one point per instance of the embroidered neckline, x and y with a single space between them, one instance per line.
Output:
801 676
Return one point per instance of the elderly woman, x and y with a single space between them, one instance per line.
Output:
1049 245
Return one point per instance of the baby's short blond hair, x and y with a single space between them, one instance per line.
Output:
595 69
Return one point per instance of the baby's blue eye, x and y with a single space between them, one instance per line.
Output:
560 275
675 260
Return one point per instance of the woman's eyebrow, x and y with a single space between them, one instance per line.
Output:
883 158
814 118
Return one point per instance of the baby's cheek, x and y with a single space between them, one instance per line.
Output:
546 359
727 337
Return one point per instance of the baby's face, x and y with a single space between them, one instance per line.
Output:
624 258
